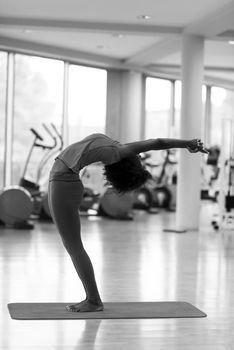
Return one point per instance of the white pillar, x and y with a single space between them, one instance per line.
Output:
65 104
133 106
113 103
125 105
189 171
9 119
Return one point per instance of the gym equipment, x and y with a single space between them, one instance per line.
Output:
112 310
16 205
143 196
27 196
159 192
90 199
115 205
150 197
225 216
143 199
19 194
210 172
33 186
49 150
41 207
45 210
100 200
162 195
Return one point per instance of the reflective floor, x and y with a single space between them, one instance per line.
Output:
133 261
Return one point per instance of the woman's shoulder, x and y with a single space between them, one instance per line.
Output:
101 138
97 135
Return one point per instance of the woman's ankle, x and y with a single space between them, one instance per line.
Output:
95 300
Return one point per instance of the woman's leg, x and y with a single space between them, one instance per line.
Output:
64 201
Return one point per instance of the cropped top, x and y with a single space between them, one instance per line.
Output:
93 148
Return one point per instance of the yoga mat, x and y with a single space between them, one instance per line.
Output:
57 311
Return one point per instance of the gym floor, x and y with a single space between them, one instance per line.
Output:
133 261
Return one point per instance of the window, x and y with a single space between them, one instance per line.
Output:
38 99
86 102
222 107
157 111
3 74
177 108
158 100
178 90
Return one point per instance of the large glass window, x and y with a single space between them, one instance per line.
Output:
157 111
3 69
157 103
86 102
222 107
177 108
178 90
38 99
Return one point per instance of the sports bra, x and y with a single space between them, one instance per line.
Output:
93 148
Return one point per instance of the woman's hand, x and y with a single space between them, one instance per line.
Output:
195 146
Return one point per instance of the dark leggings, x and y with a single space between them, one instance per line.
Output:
64 201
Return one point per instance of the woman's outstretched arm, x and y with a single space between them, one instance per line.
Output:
133 148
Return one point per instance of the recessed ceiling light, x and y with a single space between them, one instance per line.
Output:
231 42
117 35
27 31
143 17
102 47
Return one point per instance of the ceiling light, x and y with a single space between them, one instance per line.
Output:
231 42
143 17
102 47
117 35
26 31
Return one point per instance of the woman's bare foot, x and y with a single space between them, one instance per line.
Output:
86 306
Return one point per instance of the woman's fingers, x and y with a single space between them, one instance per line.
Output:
201 146
196 145
205 150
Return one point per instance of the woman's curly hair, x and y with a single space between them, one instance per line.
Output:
127 175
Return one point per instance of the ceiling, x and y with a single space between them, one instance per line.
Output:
113 34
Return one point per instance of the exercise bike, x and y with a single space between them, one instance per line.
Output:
225 198
160 192
156 194
104 201
210 175
26 201
40 196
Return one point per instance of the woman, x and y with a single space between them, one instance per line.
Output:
123 170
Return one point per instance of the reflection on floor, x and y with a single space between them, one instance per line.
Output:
133 261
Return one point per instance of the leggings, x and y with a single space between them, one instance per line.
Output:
64 200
